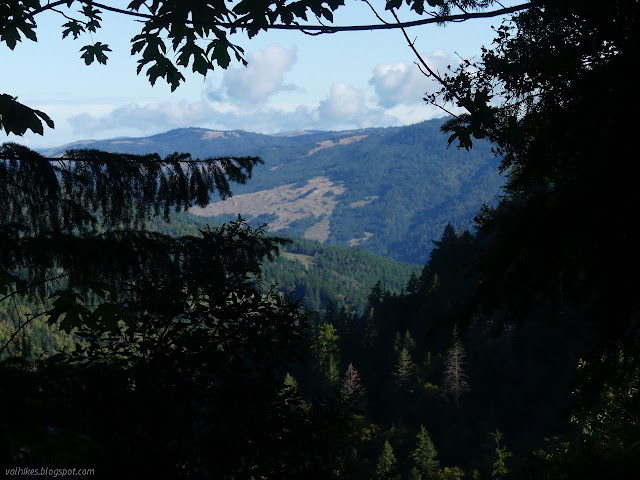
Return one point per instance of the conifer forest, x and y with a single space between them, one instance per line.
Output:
140 341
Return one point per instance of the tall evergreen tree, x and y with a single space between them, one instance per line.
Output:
326 351
405 341
425 455
343 321
413 285
387 468
377 294
370 329
330 314
408 342
404 367
397 343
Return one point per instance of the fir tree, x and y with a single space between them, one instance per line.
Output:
404 367
370 331
424 456
290 382
397 344
343 321
413 285
377 294
408 342
387 468
330 315
326 352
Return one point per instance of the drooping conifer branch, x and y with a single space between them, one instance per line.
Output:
68 194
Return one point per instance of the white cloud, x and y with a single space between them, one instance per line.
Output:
400 83
344 107
343 103
262 77
408 114
399 102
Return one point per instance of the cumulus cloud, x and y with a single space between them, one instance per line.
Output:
262 77
343 103
343 107
400 83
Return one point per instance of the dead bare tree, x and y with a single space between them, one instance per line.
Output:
456 382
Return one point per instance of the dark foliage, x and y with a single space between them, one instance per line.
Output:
560 241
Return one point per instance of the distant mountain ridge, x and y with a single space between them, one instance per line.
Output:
388 190
201 142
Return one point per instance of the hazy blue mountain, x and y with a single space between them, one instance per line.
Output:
390 191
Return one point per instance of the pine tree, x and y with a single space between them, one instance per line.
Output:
387 468
455 380
404 367
408 342
413 285
330 315
326 352
397 344
424 456
290 382
405 341
343 321
377 294
403 346
370 331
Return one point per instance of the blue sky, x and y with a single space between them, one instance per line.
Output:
293 81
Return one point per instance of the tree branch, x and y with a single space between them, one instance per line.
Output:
417 54
343 28
321 29
16 21
42 282
45 312
188 161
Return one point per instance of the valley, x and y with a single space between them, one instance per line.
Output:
390 191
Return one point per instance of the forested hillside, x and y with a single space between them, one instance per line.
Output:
312 272
390 191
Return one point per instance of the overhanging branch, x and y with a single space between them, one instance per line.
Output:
339 28
320 29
